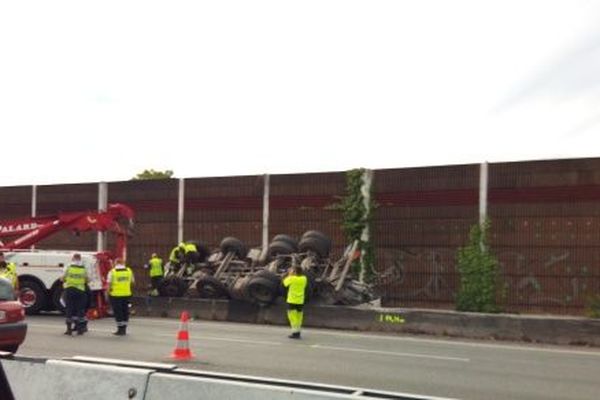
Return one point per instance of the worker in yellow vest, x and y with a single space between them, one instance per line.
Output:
177 257
120 281
296 283
155 265
184 254
74 280
8 270
191 252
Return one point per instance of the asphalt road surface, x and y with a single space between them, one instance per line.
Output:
412 364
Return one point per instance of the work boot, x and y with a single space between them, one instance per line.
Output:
69 329
81 329
295 335
120 331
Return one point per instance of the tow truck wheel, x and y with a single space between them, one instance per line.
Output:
32 296
172 287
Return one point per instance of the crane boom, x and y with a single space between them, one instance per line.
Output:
36 229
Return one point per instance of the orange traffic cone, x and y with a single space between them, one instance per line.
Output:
182 349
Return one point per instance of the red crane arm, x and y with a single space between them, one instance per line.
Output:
39 228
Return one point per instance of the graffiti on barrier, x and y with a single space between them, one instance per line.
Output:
391 318
424 273
549 278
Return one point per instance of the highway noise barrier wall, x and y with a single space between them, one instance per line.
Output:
97 378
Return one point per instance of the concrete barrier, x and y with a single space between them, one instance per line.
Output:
171 307
69 380
97 378
529 328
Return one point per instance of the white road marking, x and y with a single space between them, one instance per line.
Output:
460 343
198 338
391 353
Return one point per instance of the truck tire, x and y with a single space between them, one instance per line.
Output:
273 277
262 291
172 287
316 244
278 248
209 287
325 294
287 239
269 275
33 296
317 234
233 245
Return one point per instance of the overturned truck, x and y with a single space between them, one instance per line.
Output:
234 272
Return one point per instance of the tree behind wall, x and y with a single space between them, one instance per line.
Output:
152 174
478 269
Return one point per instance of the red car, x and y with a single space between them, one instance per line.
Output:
12 319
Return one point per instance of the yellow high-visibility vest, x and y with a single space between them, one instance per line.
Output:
120 282
156 267
75 277
296 285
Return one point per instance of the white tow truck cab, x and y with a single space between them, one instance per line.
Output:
39 273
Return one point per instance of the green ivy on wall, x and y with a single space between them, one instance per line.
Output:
356 219
478 269
592 308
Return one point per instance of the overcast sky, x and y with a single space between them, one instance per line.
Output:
93 91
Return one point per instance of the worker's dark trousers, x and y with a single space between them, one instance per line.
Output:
120 306
75 302
156 280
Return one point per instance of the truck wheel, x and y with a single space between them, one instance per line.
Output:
280 248
262 291
325 294
269 275
172 287
317 234
32 296
315 244
234 245
209 287
273 277
287 239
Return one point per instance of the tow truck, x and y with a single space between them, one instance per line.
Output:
40 271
